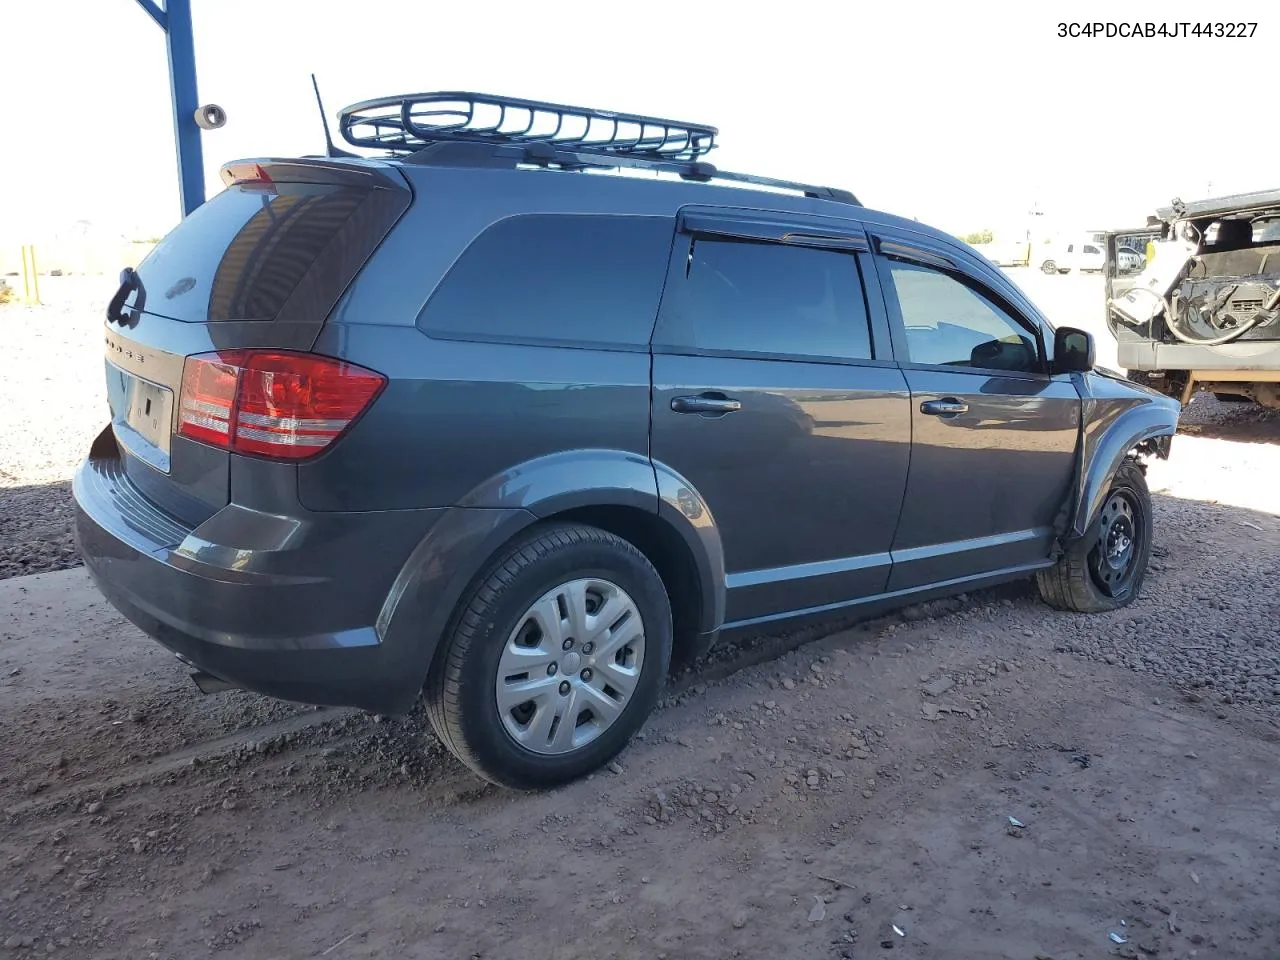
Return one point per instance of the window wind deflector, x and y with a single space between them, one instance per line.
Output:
911 251
747 228
826 242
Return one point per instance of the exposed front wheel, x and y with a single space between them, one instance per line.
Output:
554 661
1105 569
1048 267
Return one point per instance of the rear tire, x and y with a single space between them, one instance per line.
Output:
1104 570
1049 267
569 625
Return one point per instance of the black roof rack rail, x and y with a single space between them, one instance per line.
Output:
413 120
479 129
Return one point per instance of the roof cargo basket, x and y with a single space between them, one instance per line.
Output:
505 131
411 122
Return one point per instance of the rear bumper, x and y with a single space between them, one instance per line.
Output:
301 608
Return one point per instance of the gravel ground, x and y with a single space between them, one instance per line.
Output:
838 801
52 404
804 805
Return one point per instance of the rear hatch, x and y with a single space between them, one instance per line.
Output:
246 280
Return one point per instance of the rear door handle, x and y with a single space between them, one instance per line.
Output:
706 403
944 408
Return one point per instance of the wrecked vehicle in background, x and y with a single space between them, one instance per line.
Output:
1204 313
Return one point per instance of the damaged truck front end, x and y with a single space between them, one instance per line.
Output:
1204 311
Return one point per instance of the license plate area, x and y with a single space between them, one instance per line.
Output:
141 416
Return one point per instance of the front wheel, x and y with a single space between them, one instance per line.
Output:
1049 267
1105 569
555 659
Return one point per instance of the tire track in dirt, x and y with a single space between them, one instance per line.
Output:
153 768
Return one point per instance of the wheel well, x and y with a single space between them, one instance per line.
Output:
669 555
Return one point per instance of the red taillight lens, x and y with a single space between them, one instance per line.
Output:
294 405
208 397
269 403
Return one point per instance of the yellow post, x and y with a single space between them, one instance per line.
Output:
30 279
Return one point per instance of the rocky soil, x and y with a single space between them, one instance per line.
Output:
52 404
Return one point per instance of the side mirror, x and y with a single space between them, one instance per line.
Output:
1073 351
1017 355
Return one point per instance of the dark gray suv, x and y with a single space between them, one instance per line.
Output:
486 418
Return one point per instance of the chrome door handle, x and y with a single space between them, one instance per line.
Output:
944 408
705 403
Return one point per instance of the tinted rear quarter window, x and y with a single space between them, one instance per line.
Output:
243 253
556 279
766 299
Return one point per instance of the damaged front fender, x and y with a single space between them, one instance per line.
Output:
1119 419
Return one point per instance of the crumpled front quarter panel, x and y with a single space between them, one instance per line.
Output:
1116 416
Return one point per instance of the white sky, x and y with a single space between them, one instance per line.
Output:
961 114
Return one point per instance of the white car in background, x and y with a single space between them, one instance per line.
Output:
1058 260
1085 257
1091 258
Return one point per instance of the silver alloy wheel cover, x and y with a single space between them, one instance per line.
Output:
570 666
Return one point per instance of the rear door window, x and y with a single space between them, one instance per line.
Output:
773 300
556 279
241 255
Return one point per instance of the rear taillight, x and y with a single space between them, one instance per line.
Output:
208 397
269 403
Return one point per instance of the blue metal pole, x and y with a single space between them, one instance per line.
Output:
153 11
182 82
175 21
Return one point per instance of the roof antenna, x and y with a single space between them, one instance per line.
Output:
330 149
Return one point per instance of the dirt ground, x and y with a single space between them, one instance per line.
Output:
850 799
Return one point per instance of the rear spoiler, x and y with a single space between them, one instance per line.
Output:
371 174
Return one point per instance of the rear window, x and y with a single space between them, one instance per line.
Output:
242 254
1266 230
556 279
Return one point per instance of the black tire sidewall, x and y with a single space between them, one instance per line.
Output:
504 760
1128 479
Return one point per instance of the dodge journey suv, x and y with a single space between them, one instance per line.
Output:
518 402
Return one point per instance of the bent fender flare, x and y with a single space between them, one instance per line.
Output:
1131 429
433 581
